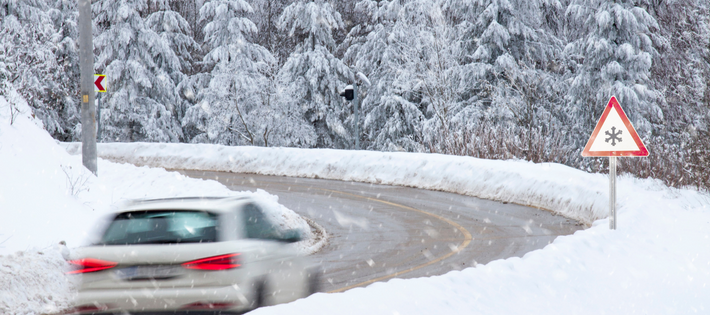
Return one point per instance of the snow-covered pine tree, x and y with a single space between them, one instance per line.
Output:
228 99
500 36
553 16
314 74
351 17
281 119
176 31
265 17
5 75
611 53
388 125
372 19
190 11
67 76
680 144
681 67
429 57
510 73
138 63
29 41
411 59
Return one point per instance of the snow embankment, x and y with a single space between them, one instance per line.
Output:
554 187
657 262
48 197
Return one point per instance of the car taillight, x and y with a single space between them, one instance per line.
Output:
221 262
89 308
91 265
207 306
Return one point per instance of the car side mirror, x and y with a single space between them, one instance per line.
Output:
291 236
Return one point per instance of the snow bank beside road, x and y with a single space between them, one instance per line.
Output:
555 187
657 262
33 282
47 196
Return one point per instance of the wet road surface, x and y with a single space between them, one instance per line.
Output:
379 232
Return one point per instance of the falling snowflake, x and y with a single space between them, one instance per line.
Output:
613 136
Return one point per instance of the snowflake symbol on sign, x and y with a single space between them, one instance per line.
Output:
613 136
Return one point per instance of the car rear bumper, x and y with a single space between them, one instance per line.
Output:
169 313
168 300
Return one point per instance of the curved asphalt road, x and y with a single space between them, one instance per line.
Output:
378 232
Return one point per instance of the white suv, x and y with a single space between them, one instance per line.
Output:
191 255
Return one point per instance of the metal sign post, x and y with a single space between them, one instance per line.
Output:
356 102
619 139
350 94
98 117
99 87
612 192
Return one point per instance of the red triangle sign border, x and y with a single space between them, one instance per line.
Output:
613 103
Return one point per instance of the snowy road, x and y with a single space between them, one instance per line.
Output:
378 232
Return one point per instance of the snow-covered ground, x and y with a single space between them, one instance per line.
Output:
48 197
657 262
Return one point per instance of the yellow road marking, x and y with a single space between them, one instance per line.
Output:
466 241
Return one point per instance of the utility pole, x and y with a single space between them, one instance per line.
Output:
86 66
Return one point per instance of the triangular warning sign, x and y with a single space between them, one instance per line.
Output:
619 138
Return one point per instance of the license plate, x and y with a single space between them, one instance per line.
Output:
160 272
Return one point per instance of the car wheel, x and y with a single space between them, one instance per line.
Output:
314 281
259 294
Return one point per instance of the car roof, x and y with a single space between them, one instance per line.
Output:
213 204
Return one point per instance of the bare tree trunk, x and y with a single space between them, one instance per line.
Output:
250 136
266 136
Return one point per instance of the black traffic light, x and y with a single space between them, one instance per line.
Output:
348 93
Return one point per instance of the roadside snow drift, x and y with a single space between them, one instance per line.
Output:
48 197
555 187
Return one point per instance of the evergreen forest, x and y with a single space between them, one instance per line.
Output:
494 79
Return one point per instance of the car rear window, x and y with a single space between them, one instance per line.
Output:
161 227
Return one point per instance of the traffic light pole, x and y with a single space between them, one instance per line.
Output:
86 67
